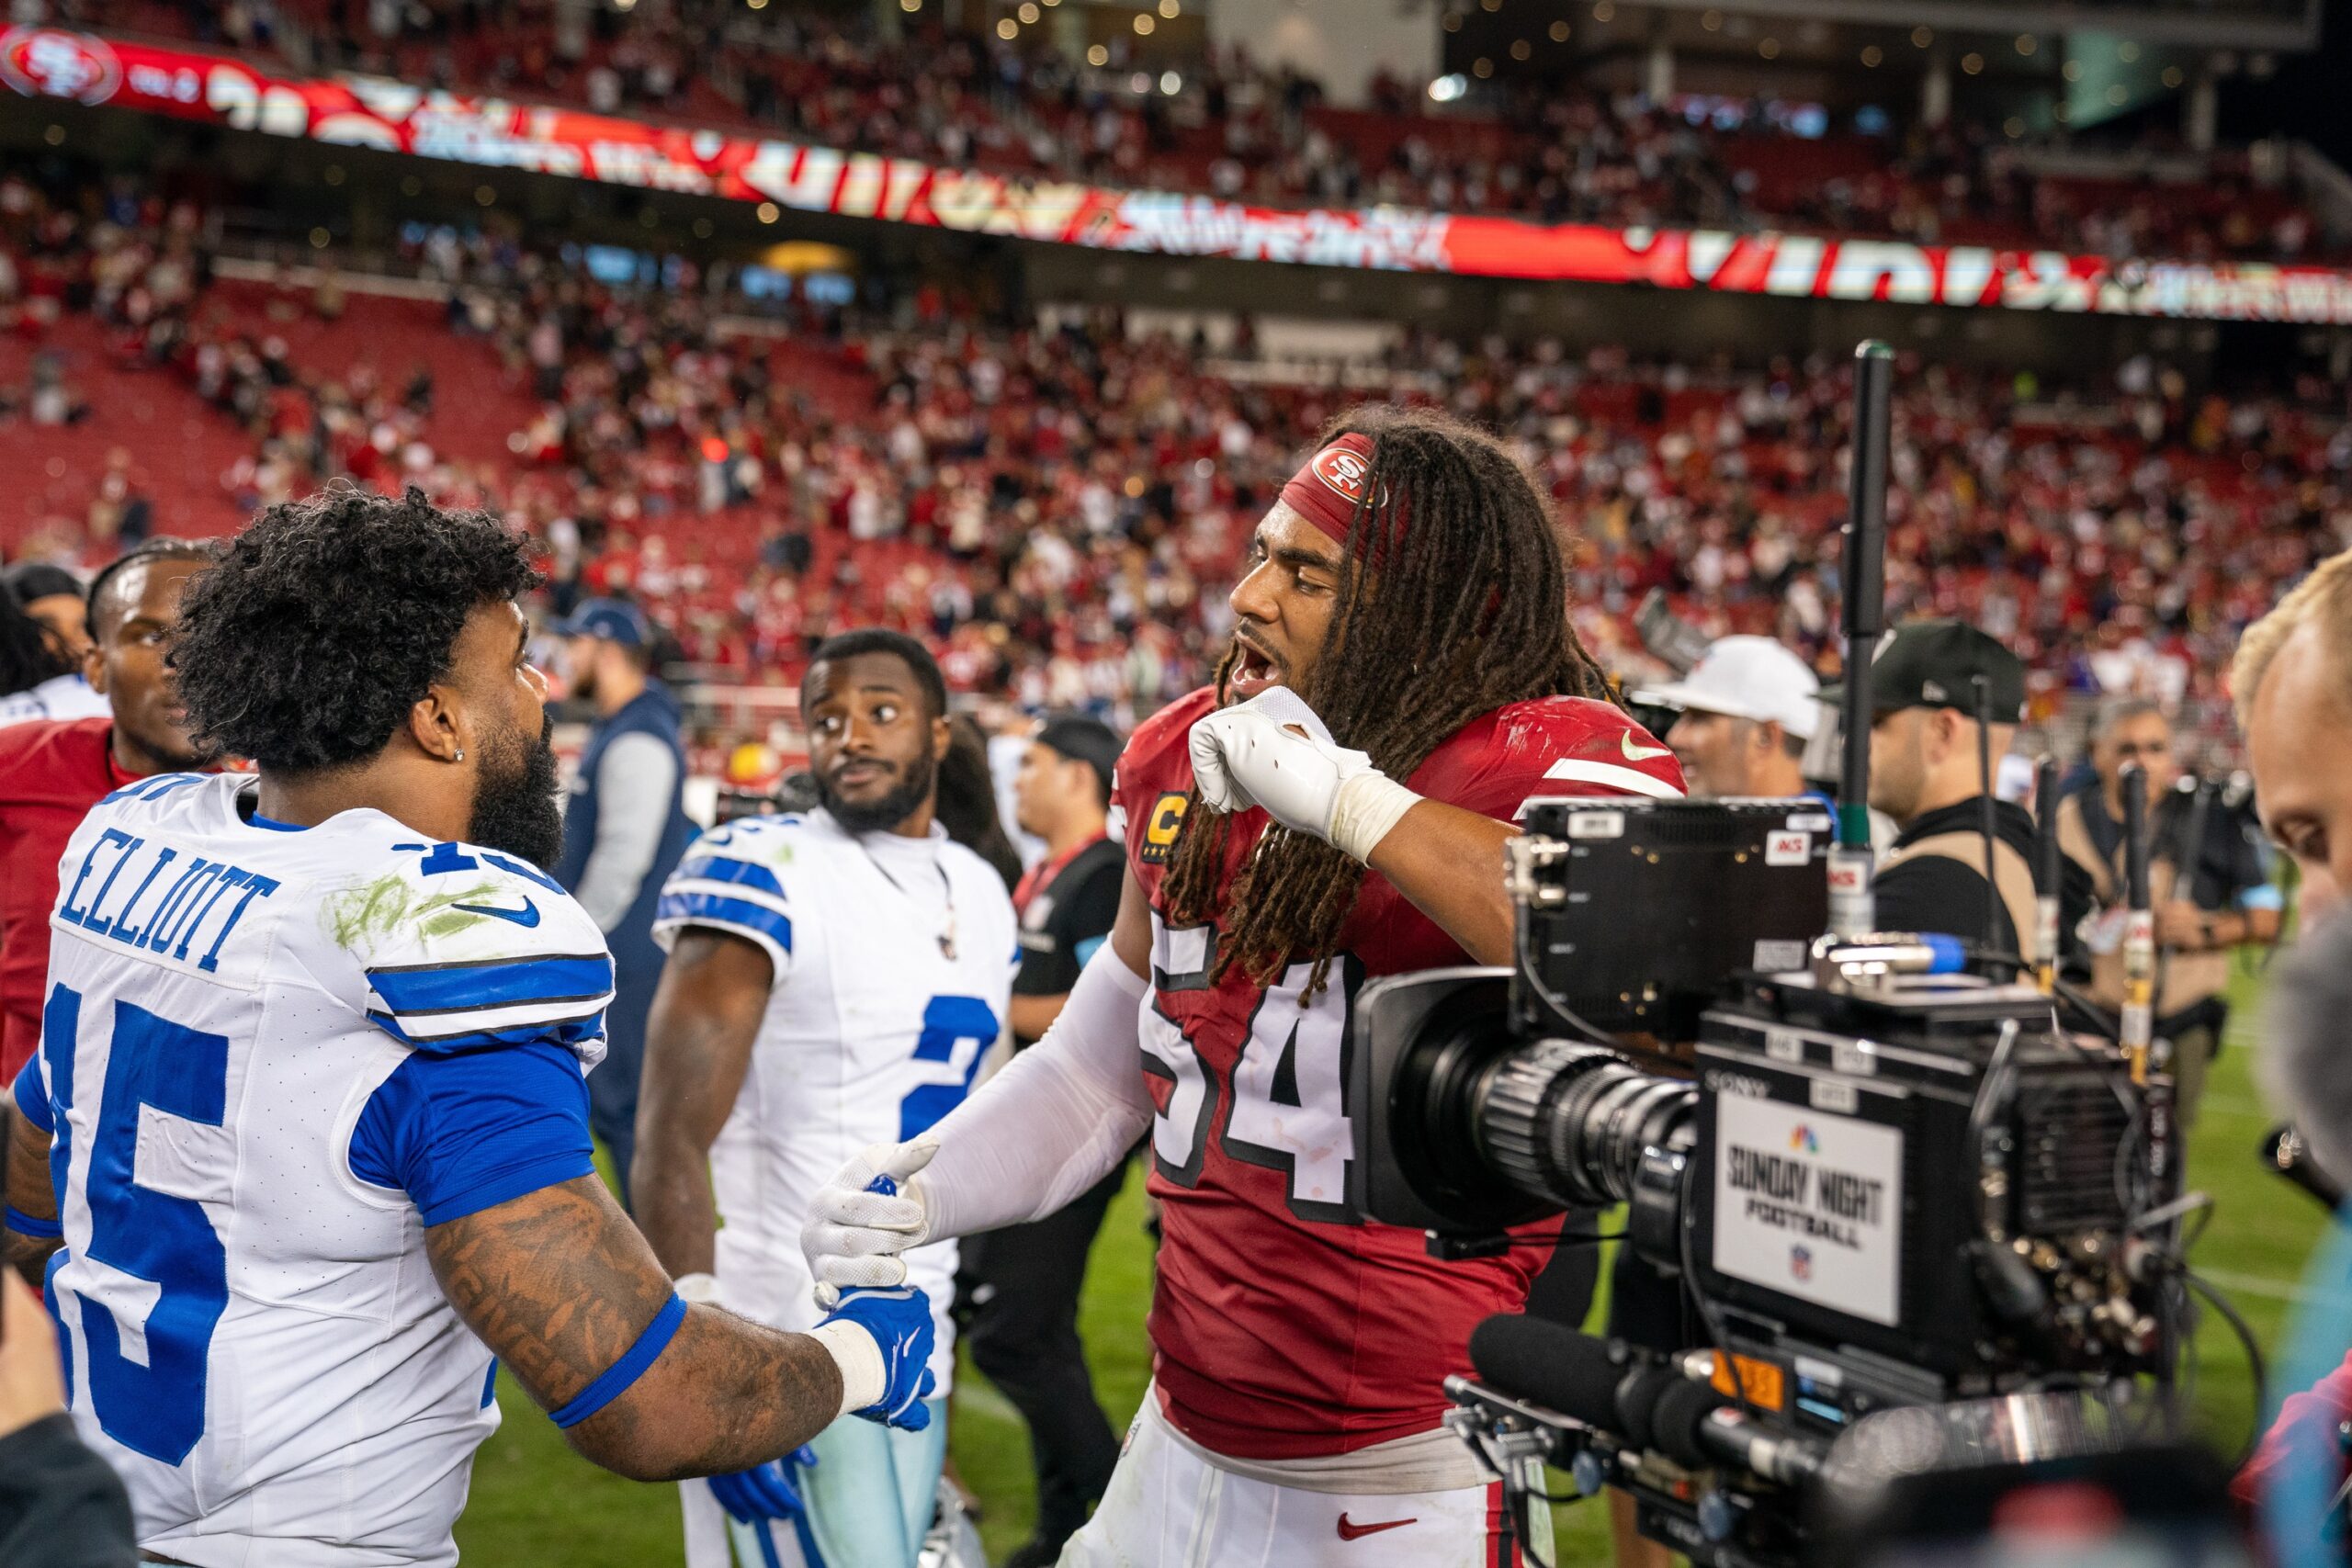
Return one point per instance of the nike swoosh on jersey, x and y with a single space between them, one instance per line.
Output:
527 916
1641 754
1350 1530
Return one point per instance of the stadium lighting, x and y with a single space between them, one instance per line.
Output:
2173 76
1873 54
1144 24
1482 68
1098 57
2028 43
1445 89
2116 95
319 239
1171 83
1559 32
1922 37
1712 20
1453 23
1170 10
2127 51
1139 84
757 5
769 212
1604 11
1520 49
1972 63
1008 29
1028 13
1769 48
911 6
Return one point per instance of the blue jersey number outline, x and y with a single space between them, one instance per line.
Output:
945 1022
158 1408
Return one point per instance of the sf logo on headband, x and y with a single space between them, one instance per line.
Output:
1344 471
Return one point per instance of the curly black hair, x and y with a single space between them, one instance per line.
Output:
328 618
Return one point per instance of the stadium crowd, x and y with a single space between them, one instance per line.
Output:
1057 508
1559 151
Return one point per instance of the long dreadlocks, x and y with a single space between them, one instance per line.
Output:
1453 602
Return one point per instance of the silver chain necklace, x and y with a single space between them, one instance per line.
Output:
947 937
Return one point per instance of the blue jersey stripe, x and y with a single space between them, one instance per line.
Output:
471 988
719 868
561 1032
717 909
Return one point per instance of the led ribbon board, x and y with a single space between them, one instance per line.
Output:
392 117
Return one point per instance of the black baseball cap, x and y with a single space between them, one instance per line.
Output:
1935 664
1083 739
31 579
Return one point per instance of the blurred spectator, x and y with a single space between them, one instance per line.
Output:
624 829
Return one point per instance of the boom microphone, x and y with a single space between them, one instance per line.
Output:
1549 1364
1643 1402
2305 1070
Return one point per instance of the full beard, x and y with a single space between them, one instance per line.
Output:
915 787
515 810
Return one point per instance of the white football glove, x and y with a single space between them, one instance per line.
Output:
1273 751
860 1221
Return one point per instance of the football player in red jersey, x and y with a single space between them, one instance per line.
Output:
1402 681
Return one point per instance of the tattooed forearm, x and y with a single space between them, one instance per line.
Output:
28 1192
698 1039
560 1285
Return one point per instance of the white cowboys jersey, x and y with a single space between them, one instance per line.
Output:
875 1029
256 1341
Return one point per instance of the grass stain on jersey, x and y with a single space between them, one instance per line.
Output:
363 918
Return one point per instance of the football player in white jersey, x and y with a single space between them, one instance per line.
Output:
834 980
305 1143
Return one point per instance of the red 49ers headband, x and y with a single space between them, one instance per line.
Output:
1327 490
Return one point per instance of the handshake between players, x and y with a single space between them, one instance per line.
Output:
304 1153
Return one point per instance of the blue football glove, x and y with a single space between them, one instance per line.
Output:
764 1491
900 1323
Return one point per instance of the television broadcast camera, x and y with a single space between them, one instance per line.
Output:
1927 1227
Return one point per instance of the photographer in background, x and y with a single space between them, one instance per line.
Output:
1927 773
2224 901
2292 682
1748 706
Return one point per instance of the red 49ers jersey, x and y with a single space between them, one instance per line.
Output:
1284 1325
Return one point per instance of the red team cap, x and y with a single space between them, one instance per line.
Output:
1329 488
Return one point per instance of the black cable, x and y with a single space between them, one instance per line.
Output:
2255 1362
1526 970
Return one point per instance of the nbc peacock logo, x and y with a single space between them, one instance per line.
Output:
1801 1141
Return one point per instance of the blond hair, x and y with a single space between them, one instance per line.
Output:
2324 600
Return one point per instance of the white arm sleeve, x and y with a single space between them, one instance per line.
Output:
1055 1120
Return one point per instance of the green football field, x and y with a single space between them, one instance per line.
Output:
535 1502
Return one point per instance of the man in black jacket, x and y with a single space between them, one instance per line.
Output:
60 1505
1930 682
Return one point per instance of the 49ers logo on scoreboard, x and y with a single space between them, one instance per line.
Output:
42 62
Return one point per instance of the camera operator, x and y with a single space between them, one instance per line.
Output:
1748 706
1926 773
2292 680
2225 901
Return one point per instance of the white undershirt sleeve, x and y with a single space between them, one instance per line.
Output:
1054 1121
